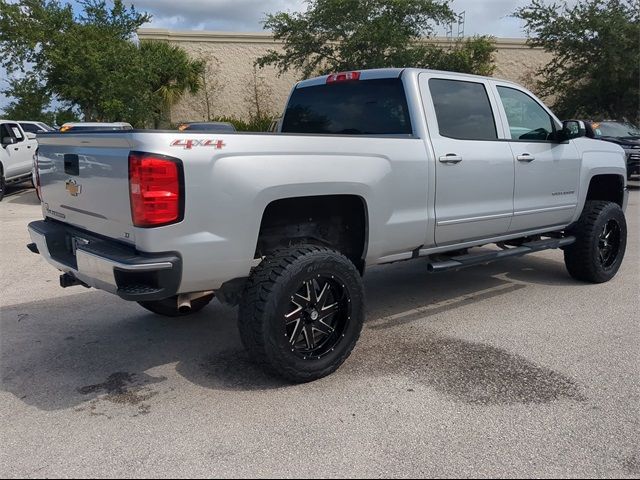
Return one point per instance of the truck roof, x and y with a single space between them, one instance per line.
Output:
97 124
376 73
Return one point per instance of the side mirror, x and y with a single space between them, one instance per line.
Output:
31 136
573 129
8 141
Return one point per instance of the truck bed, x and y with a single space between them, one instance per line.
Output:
229 179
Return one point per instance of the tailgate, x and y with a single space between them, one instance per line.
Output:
84 180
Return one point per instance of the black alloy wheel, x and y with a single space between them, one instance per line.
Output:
318 315
609 244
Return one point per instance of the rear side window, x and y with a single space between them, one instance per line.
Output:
30 127
361 107
463 110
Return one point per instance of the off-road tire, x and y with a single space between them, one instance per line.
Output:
269 294
583 258
168 307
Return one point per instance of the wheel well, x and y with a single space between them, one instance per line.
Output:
338 221
607 187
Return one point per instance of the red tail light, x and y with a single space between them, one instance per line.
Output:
343 77
156 189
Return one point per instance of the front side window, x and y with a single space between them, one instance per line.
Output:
463 110
12 130
4 131
527 119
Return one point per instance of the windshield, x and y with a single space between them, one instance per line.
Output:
615 129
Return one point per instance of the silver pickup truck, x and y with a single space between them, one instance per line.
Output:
367 168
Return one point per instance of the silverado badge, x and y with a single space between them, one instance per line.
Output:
73 187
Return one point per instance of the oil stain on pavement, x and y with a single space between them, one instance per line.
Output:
473 373
121 389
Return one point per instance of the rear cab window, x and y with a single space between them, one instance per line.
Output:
359 107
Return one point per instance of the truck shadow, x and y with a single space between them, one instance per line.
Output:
63 352
20 194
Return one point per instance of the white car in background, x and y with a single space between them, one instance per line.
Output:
16 154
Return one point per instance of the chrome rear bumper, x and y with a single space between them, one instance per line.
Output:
107 264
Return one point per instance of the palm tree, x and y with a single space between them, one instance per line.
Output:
171 74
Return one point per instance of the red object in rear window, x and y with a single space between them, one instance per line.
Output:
343 77
156 189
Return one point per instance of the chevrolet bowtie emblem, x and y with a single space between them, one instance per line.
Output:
73 188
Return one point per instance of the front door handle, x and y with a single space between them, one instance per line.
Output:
526 157
450 158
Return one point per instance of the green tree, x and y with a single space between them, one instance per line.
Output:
90 60
257 97
29 100
211 86
595 69
170 73
335 35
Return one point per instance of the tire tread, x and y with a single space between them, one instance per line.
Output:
258 302
580 257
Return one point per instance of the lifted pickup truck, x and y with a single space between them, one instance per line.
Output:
367 168
17 149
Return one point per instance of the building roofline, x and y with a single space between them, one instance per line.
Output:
267 38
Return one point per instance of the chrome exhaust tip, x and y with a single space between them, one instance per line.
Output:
185 299
184 306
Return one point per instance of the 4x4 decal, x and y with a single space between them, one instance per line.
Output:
189 143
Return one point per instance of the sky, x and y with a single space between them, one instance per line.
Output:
490 17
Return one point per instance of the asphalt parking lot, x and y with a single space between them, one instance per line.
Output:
507 370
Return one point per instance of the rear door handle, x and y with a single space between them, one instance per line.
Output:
526 157
450 158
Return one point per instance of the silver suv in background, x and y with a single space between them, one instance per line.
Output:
94 126
207 127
